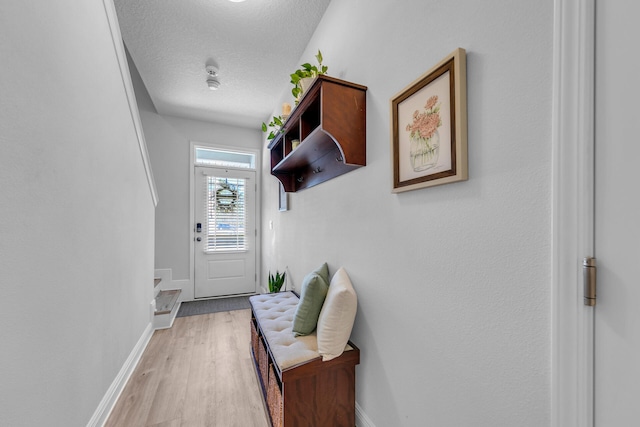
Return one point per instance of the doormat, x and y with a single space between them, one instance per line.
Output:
194 308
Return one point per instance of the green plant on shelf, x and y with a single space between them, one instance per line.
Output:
274 127
306 71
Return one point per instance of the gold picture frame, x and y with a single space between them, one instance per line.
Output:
429 127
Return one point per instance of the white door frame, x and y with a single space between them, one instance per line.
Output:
573 173
238 267
190 293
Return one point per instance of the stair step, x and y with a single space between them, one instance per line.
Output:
166 300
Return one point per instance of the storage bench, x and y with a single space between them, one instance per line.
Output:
299 388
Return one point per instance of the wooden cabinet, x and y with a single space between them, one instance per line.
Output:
330 123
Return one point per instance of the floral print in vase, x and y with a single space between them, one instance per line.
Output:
424 136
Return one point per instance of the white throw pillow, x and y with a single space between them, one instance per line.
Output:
337 316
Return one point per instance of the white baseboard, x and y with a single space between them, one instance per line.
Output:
361 418
109 400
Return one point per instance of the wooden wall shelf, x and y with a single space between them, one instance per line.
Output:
330 122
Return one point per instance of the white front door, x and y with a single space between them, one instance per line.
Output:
225 232
617 213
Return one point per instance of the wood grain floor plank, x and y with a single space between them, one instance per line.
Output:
199 402
173 423
199 373
247 387
169 397
133 406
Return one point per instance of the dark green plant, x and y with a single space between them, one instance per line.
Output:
275 125
307 70
276 282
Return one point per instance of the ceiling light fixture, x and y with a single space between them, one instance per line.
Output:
212 81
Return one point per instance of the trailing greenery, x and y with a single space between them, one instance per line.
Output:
276 126
307 70
276 282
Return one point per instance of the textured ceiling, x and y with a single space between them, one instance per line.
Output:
256 44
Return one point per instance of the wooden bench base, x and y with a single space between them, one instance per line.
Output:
313 393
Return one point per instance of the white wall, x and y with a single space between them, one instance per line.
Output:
168 140
453 281
76 215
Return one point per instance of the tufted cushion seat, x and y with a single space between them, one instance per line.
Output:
275 313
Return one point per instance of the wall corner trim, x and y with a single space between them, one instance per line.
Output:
109 400
573 173
121 56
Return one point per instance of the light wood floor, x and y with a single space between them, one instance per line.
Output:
199 373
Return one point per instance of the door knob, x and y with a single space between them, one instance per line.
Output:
199 239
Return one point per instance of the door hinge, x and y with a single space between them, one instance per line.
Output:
589 279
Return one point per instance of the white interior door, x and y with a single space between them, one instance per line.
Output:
225 232
617 201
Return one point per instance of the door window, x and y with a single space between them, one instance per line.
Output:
215 157
226 214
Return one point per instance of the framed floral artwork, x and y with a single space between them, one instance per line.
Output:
429 127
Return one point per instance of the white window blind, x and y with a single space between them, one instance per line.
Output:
226 214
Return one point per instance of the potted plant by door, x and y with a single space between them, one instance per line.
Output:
276 282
